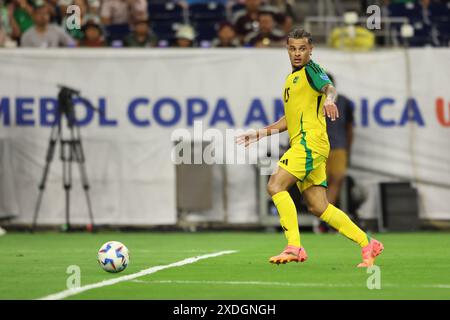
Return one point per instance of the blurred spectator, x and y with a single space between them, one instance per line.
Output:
340 134
286 22
267 36
93 9
2 37
8 27
52 6
141 35
62 6
22 12
283 6
92 35
352 37
246 20
75 33
185 36
226 37
123 11
89 9
43 34
284 13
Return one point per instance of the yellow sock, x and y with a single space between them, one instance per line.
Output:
288 217
342 223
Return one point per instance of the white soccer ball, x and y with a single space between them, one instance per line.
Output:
113 256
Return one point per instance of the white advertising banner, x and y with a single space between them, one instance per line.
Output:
402 124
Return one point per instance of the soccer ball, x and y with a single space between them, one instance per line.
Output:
113 256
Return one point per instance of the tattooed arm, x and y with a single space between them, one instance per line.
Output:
329 107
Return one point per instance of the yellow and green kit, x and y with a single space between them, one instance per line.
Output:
309 148
306 124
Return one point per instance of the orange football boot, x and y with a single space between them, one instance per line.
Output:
290 254
370 252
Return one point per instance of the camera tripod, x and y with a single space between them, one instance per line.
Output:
71 150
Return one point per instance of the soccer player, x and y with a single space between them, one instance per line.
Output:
309 96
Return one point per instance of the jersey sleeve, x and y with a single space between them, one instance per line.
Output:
317 77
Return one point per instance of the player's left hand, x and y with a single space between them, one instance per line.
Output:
330 110
248 137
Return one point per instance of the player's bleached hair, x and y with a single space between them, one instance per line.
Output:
299 34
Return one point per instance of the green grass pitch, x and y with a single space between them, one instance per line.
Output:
413 266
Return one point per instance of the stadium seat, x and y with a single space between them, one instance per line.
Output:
237 7
422 35
206 30
443 30
165 11
117 32
440 18
414 13
396 10
165 30
236 11
164 17
439 10
205 17
207 11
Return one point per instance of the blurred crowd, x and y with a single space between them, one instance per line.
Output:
192 23
144 23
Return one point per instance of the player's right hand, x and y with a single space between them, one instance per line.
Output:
330 110
248 137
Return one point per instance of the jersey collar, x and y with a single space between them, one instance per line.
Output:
297 69
300 68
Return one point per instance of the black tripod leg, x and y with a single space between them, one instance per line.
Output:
86 187
54 135
66 159
79 154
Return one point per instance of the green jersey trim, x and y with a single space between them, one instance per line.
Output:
309 159
316 76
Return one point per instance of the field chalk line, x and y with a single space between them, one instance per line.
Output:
283 284
73 291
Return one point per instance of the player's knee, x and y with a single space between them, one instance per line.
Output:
273 188
312 209
316 209
335 178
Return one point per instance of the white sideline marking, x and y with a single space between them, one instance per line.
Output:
440 286
285 284
71 292
258 283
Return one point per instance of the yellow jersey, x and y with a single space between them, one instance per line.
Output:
303 108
